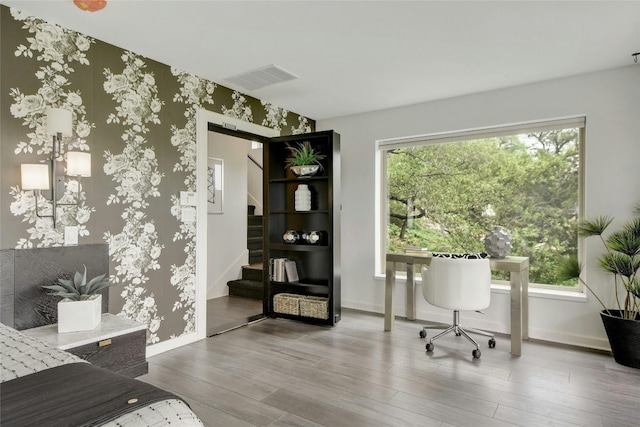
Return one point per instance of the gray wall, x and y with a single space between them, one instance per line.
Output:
610 100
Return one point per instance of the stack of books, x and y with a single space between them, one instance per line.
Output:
283 270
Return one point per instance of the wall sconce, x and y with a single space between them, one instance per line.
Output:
38 177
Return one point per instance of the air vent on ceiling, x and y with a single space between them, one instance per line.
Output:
262 77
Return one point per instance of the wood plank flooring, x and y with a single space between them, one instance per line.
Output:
280 373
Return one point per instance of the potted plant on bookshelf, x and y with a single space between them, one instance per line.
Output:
81 306
622 259
304 160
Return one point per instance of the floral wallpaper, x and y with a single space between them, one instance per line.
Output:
137 118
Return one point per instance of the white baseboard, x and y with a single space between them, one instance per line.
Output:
173 343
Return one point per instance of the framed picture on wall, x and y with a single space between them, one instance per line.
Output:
215 185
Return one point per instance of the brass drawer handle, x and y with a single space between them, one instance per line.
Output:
104 343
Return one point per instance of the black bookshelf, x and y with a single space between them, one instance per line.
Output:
318 265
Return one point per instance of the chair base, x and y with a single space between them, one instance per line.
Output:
458 330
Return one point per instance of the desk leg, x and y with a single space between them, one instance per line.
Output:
411 294
516 313
389 287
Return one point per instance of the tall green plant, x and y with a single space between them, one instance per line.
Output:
621 258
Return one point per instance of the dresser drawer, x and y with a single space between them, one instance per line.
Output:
123 353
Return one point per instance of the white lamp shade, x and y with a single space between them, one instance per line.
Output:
35 176
78 164
59 120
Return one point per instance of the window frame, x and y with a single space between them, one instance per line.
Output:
381 196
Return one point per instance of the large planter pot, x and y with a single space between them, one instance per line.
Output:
624 338
74 316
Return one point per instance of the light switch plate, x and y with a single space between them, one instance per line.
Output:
71 236
188 214
188 198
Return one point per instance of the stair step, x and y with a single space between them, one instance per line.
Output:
254 231
256 257
252 272
246 288
254 244
254 220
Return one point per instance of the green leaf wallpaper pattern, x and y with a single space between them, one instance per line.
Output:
137 118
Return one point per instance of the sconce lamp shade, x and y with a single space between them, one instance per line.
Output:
59 120
35 177
78 164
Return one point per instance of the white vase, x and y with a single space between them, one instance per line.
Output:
74 316
303 198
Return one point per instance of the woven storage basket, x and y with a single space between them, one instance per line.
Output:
287 303
316 307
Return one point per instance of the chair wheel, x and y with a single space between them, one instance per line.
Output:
476 354
492 343
423 334
458 334
430 347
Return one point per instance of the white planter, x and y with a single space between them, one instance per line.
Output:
74 316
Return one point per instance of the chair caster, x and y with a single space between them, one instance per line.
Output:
492 343
423 334
430 347
476 354
458 334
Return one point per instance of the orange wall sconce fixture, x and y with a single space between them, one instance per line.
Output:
90 5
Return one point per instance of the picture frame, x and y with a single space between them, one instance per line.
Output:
215 185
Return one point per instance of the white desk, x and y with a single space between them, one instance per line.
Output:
518 268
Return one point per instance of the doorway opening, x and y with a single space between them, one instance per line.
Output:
235 288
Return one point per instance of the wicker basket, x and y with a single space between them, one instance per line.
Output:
316 307
287 303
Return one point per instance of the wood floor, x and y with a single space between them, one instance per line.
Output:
279 372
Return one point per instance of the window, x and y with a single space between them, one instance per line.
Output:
445 192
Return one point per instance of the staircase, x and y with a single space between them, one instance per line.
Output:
250 284
254 236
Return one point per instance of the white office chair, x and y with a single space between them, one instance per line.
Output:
457 284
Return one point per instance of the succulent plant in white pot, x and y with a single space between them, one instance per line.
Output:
81 306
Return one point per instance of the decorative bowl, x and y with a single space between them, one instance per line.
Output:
305 171
291 236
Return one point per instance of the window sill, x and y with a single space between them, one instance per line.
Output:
504 288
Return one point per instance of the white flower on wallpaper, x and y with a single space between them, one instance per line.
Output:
135 250
193 89
51 42
276 116
303 127
194 93
136 93
57 49
239 110
135 170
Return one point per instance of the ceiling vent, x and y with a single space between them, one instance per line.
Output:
262 77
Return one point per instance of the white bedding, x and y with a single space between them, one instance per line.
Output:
22 355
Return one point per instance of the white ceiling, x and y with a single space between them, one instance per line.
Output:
357 56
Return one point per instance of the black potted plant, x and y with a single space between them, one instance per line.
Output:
622 259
